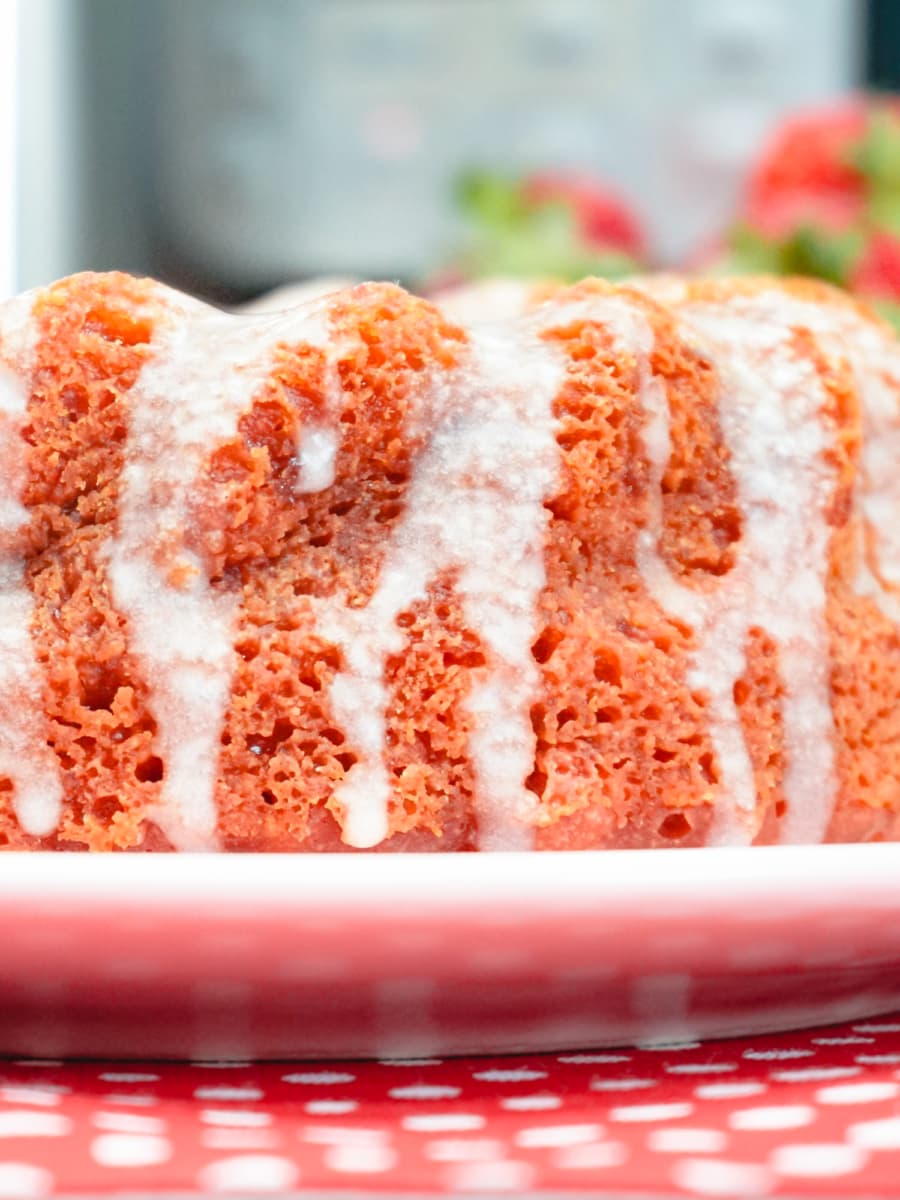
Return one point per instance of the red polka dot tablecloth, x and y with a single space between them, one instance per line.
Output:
813 1113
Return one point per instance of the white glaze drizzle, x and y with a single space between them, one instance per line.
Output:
290 295
25 758
498 299
770 412
205 369
874 356
877 369
316 456
474 506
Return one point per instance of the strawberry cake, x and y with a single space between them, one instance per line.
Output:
618 569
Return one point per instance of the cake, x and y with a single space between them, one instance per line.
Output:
620 569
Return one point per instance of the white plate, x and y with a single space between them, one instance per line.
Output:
235 956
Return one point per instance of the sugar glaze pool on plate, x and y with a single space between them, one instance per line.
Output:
215 956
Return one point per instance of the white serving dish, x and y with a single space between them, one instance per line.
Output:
280 956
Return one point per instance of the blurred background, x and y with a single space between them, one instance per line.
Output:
230 146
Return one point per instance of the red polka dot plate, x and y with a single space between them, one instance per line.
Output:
210 957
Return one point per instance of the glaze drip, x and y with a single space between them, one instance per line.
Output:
204 371
771 415
25 758
474 507
875 359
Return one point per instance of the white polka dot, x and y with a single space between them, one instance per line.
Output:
425 1091
238 1139
22 1181
621 1085
877 1060
858 1093
876 1135
687 1141
228 1093
530 1103
778 1055
815 1074
666 1047
700 1068
880 1027
590 1157
235 1117
18 1123
130 1149
360 1158
463 1150
713 1177
319 1078
774 1116
250 1173
593 1058
128 1123
410 1062
343 1135
503 1176
843 1041
728 1091
128 1077
821 1161
30 1095
558 1135
442 1122
38 1091
514 1075
652 1112
330 1108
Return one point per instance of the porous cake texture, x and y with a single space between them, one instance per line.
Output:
619 568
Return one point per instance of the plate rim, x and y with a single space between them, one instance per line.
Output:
807 875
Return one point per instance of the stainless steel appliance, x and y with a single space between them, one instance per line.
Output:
233 144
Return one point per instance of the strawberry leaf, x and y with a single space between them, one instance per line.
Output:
752 253
889 310
808 250
512 235
829 256
490 199
877 156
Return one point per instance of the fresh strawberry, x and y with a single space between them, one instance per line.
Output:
877 274
603 219
780 213
549 226
812 154
824 200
